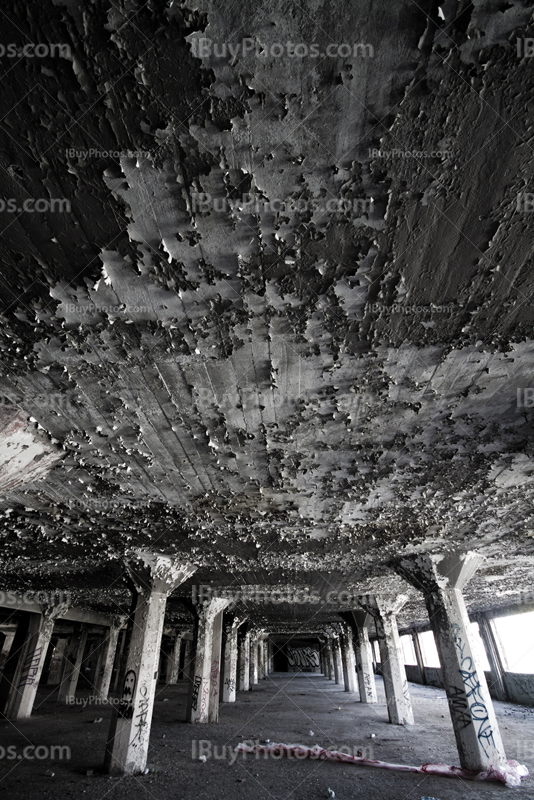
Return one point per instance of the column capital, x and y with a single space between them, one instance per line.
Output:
117 620
427 572
382 604
210 608
156 572
362 618
55 609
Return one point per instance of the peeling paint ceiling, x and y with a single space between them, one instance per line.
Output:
255 336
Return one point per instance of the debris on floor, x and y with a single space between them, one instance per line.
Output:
509 773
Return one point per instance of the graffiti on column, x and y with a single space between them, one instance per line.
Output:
302 657
214 679
204 700
31 668
125 708
196 689
230 684
459 707
141 716
473 692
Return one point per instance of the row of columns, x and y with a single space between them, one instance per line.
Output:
27 659
441 579
345 657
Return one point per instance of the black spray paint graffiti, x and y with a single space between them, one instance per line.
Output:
196 689
459 707
302 657
141 724
473 693
31 668
125 708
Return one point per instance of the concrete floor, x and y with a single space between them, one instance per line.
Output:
284 708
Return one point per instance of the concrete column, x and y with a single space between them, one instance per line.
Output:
419 656
73 662
384 610
12 662
338 664
6 647
92 659
442 578
271 656
329 660
266 658
215 672
109 650
58 657
189 661
154 576
244 663
22 696
173 661
347 660
364 658
261 660
204 693
253 661
118 659
230 662
494 657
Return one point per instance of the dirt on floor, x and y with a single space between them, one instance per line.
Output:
290 708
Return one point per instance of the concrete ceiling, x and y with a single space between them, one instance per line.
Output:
206 357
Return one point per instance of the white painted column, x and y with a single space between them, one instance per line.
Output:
364 658
215 672
22 696
347 656
442 578
108 658
73 662
338 664
253 660
261 660
384 610
244 663
173 662
154 576
230 662
209 628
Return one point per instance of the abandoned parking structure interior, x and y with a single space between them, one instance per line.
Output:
266 399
